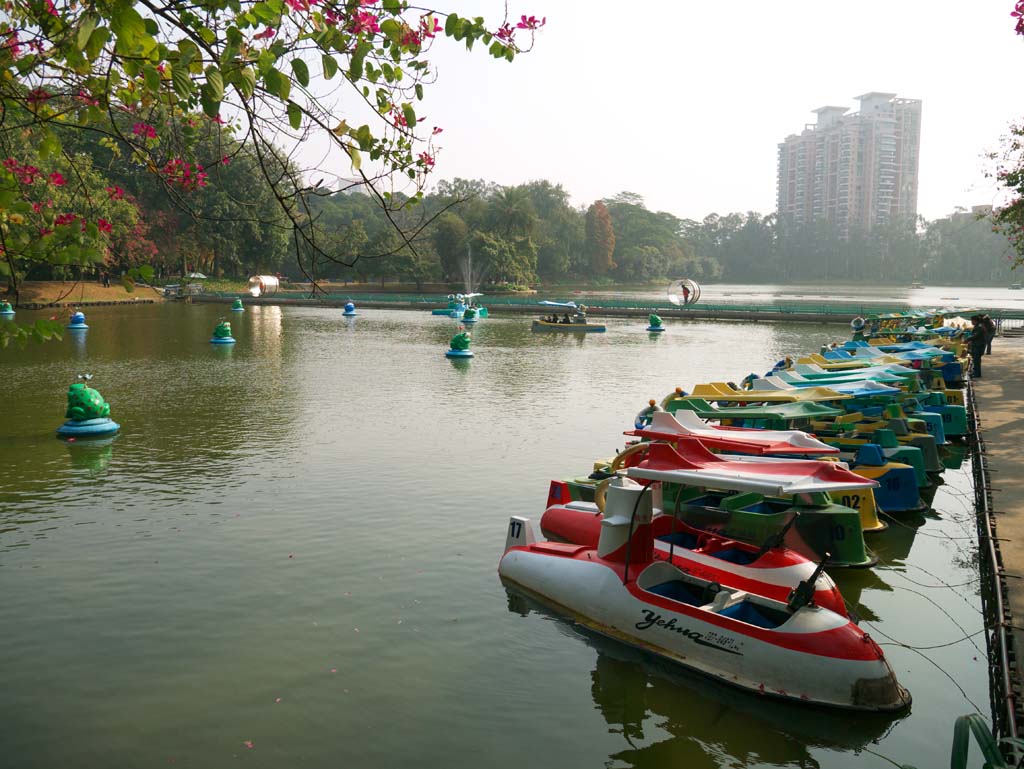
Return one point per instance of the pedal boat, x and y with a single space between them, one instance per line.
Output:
578 325
750 499
791 650
770 570
897 483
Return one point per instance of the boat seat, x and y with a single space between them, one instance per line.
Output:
589 507
677 590
751 614
722 599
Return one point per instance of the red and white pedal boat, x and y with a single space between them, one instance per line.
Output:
773 571
741 440
796 651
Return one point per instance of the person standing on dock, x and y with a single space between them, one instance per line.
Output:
990 332
978 341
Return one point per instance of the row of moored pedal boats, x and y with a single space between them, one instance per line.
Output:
705 540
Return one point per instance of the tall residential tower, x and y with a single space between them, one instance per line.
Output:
856 170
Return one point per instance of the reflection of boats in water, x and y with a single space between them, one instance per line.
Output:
641 698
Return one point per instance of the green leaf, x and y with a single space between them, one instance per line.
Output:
128 283
247 82
211 105
128 25
216 83
355 67
147 272
285 87
152 77
330 66
301 72
419 91
49 146
85 30
392 6
272 80
357 160
182 82
294 115
452 25
410 115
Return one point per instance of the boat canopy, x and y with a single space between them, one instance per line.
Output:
548 303
686 424
797 410
694 465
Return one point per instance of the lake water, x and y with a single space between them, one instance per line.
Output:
292 545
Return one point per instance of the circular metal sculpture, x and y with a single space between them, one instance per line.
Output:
684 292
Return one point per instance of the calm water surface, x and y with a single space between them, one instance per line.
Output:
293 544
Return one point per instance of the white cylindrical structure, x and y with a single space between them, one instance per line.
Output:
263 285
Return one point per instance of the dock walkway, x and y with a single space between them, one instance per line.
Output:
999 401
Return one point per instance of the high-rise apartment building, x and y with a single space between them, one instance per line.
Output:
857 170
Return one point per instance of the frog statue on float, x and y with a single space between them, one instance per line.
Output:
460 341
85 403
222 331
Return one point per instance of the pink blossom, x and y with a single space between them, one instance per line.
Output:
265 34
37 207
43 232
50 8
144 130
87 98
436 131
63 219
13 44
225 160
505 33
37 95
531 22
426 28
103 225
364 21
411 37
217 119
427 159
161 68
57 179
115 192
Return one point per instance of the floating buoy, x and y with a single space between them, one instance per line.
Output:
87 413
222 334
236 306
6 311
77 321
654 323
350 310
459 346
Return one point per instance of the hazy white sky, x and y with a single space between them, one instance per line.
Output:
684 101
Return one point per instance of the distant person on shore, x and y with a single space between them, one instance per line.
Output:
977 343
105 277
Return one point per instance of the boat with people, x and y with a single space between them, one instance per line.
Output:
792 649
577 323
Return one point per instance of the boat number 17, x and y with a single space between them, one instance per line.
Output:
515 528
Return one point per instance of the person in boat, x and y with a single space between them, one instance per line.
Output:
565 318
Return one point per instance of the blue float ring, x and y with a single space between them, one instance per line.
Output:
99 426
656 329
77 326
222 340
459 354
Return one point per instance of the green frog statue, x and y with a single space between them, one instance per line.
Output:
6 309
223 330
654 322
85 403
459 347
